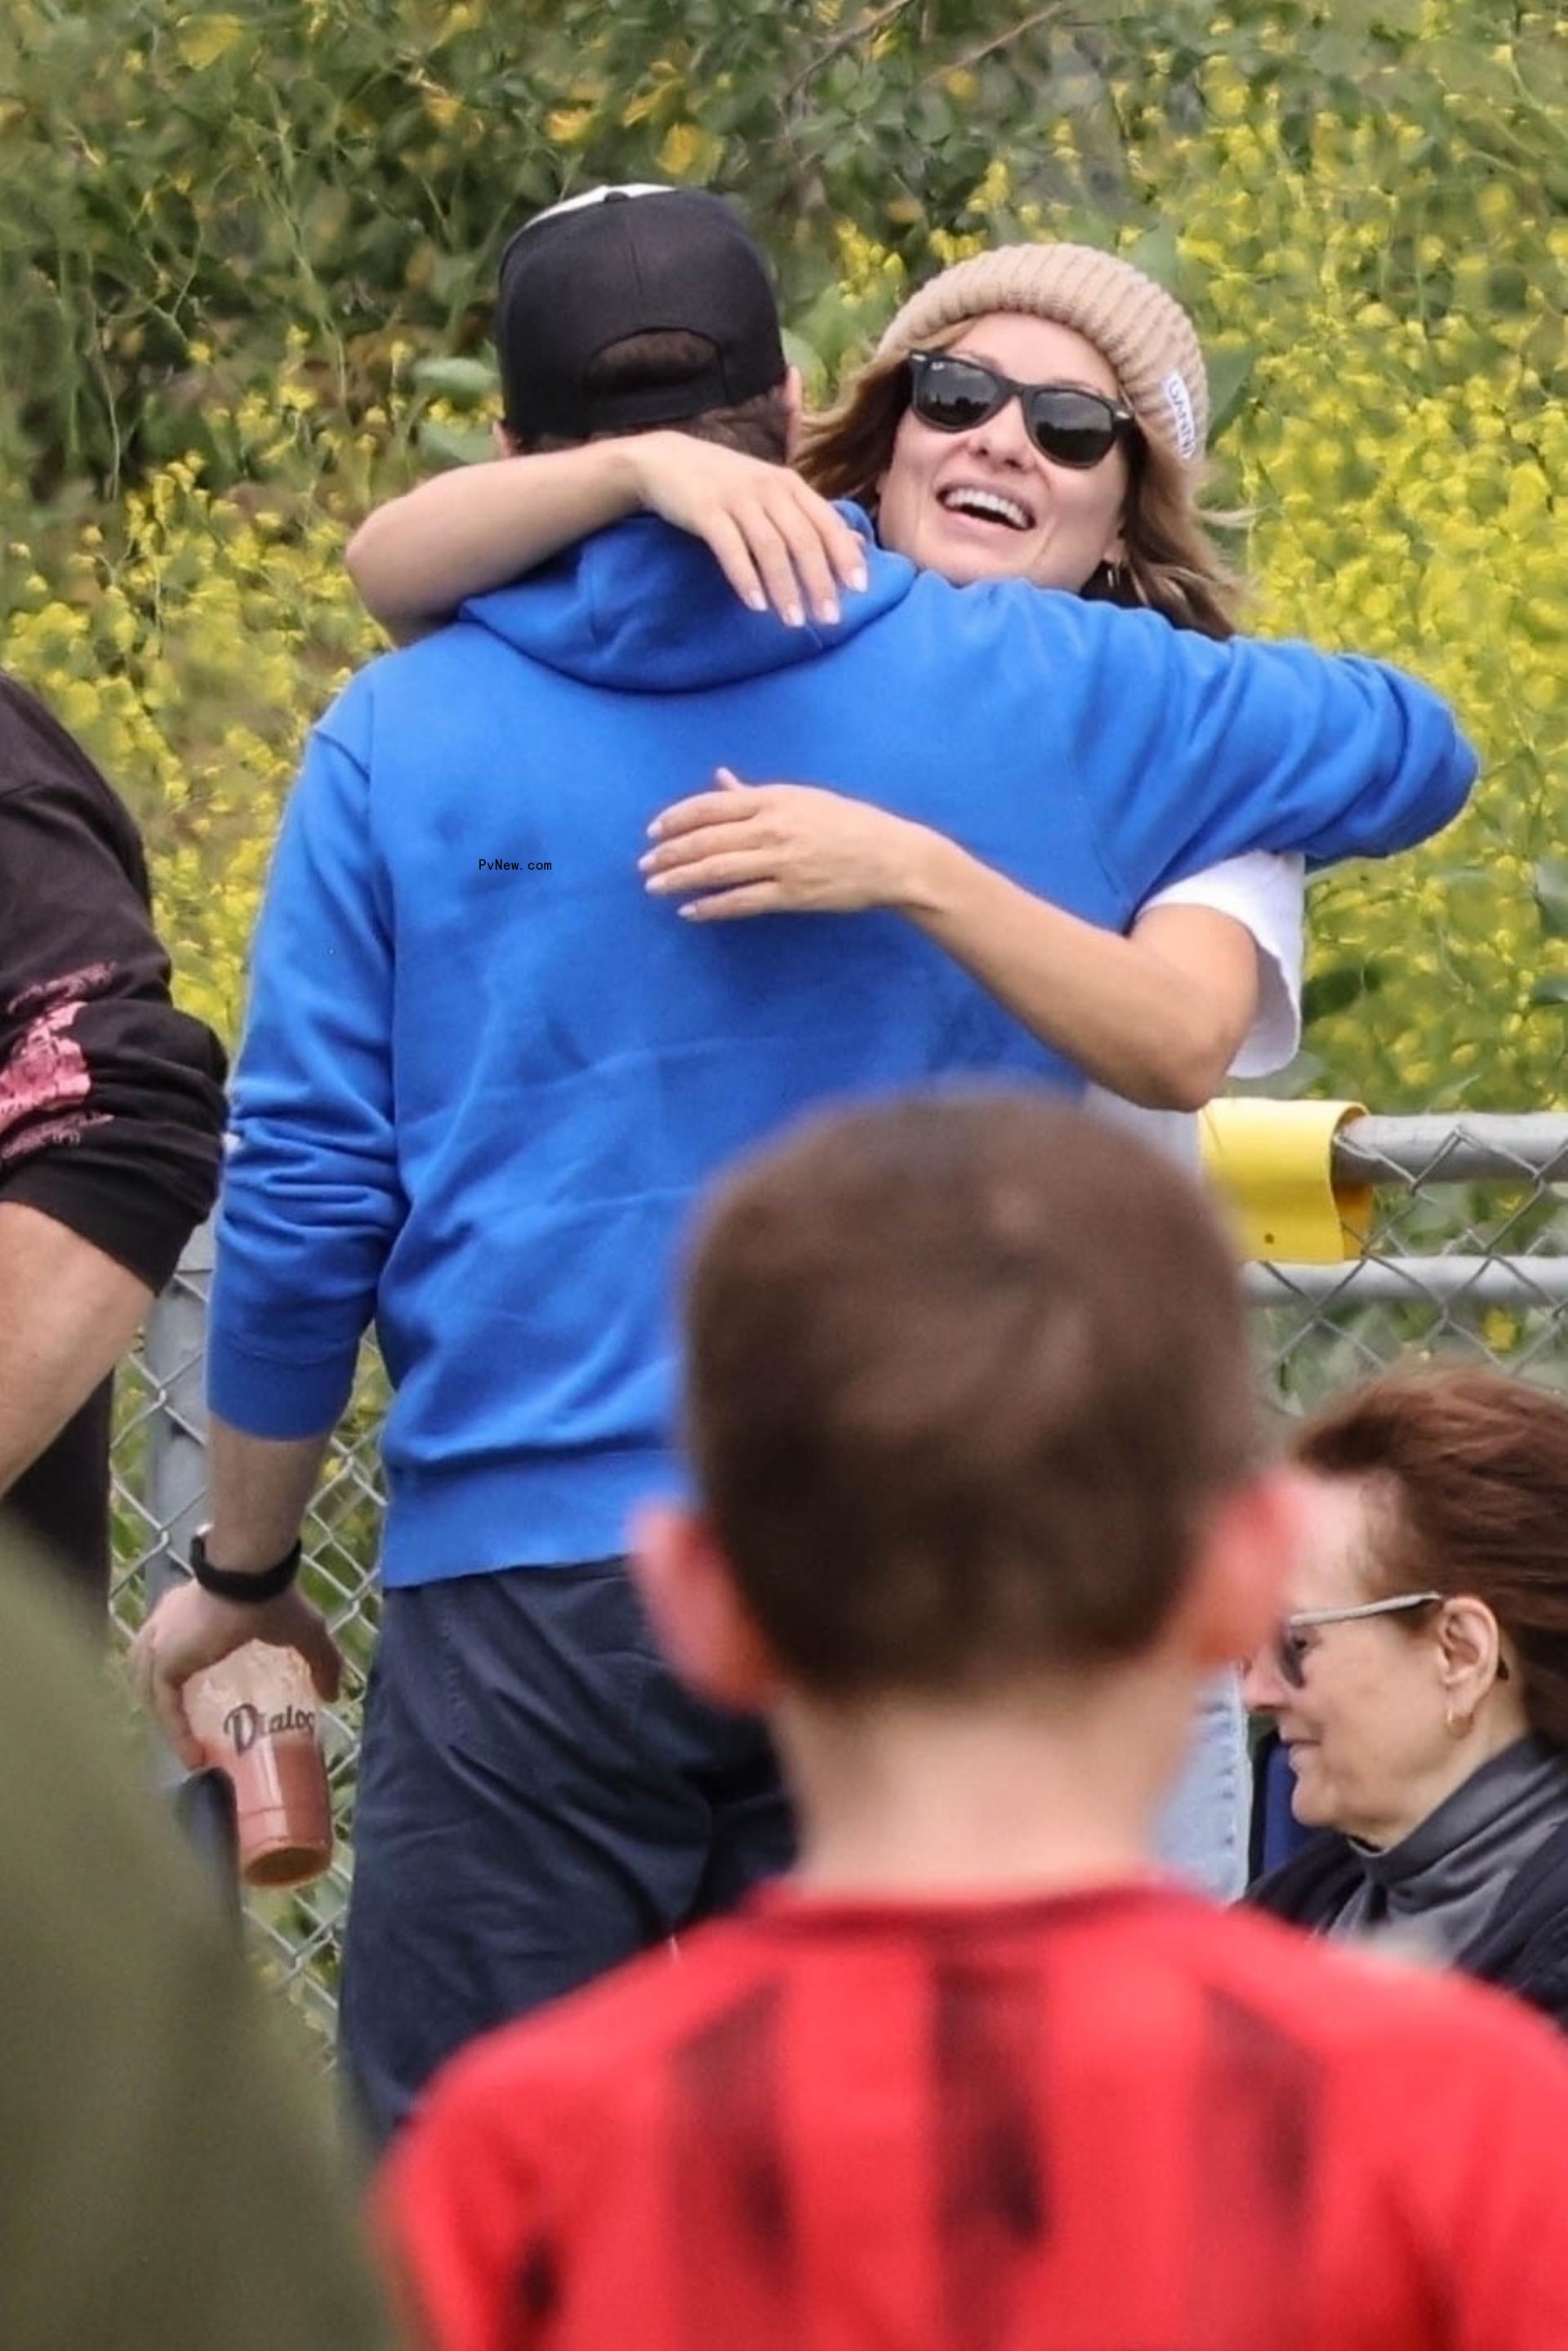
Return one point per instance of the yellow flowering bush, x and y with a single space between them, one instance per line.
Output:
1366 208
189 652
1406 474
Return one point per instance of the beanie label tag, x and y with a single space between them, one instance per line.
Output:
1183 424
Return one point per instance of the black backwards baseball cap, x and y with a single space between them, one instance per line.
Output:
631 261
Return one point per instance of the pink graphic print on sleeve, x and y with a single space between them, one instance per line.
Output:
46 1072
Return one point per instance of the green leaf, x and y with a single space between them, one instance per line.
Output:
203 40
1550 883
455 444
448 377
1155 253
1552 989
808 360
1341 986
1230 374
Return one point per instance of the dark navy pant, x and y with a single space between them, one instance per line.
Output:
538 1799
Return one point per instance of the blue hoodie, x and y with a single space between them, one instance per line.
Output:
486 1075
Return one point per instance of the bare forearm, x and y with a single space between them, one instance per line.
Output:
1124 1014
261 1490
416 559
67 1314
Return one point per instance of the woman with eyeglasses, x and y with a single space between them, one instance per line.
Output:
1420 1683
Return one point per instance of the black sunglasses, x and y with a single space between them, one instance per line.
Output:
1069 426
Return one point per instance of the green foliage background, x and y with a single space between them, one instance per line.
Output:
244 262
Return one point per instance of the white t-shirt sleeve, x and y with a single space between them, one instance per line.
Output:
1267 895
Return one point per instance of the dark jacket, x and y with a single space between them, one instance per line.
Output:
111 1099
1522 1948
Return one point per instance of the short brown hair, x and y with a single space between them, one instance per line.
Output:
962 1371
1172 565
757 427
1473 1467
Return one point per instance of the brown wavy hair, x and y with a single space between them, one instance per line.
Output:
1172 565
1470 1467
758 427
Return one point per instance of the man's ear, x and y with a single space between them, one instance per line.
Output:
794 412
698 1616
1246 1554
503 441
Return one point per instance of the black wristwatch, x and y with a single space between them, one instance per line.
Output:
227 1583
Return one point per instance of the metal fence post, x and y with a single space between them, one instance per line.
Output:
174 1346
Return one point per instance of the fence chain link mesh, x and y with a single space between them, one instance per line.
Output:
1468 1256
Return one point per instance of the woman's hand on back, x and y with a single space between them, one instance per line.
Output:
776 848
778 544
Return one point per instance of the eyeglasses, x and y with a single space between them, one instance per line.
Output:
1069 426
1290 1652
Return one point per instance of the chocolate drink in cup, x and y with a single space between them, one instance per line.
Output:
255 1716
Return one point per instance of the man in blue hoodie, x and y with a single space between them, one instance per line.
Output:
485 1074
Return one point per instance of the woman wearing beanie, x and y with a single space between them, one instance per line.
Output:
1109 328
1039 412
1161 557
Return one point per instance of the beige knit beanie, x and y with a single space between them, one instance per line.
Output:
1140 328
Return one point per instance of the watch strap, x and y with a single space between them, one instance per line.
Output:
228 1583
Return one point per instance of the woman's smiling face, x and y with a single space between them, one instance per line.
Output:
1368 1710
1362 1722
939 495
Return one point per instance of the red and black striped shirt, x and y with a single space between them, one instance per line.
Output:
1111 2121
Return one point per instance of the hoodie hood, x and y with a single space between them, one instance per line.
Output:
644 608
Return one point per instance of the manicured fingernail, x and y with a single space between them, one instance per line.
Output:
655 828
827 613
755 601
859 577
793 617
657 881
645 863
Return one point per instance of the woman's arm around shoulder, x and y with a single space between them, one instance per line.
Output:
415 560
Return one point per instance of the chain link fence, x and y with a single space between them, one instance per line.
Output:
1468 1254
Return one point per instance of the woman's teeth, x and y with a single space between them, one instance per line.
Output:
986 506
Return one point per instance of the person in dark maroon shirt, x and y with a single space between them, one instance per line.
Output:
970 1414
111 1115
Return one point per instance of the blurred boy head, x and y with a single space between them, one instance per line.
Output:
970 1407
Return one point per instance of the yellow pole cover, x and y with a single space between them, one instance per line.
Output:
1272 1164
